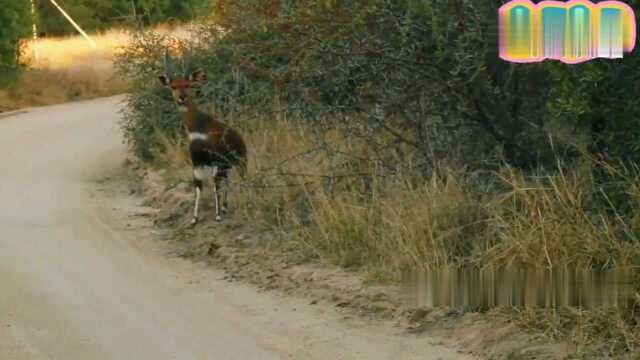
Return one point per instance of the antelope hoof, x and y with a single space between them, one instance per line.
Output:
218 218
194 221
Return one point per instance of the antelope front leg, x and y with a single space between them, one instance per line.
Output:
198 189
198 177
216 198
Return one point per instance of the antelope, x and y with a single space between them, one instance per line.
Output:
215 148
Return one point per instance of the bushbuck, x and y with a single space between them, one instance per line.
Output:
215 148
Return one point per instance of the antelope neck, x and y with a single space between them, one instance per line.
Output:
193 118
198 121
192 109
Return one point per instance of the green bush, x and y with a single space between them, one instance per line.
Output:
416 81
15 19
399 121
150 110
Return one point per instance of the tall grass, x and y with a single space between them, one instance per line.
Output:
331 198
381 226
384 225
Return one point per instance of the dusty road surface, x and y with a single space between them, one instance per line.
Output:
77 284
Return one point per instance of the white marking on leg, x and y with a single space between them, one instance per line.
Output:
195 209
200 173
215 193
198 136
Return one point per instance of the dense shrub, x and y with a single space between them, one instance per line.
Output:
420 84
15 19
413 85
150 111
414 78
387 134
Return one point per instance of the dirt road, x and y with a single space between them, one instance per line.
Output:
77 283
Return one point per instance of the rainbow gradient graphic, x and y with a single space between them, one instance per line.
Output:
572 32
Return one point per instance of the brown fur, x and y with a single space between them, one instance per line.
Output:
222 148
222 140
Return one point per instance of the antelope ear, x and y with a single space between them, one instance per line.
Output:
198 76
163 80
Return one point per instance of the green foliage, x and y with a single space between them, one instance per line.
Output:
419 82
413 78
600 97
150 110
389 90
15 19
389 72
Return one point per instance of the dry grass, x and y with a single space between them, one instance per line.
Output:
597 334
75 51
66 69
554 219
70 68
382 226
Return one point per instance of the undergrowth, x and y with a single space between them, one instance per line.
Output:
359 157
383 225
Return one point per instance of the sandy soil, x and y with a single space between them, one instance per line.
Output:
83 276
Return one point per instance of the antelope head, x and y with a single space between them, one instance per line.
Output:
181 83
